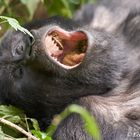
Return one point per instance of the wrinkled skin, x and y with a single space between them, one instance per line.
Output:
106 82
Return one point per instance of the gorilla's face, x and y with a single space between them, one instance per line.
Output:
61 63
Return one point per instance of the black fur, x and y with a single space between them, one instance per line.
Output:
103 83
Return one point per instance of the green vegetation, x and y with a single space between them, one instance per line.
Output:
14 125
15 24
27 10
12 8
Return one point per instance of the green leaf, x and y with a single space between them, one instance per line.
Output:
48 138
37 134
66 5
90 123
31 6
14 119
22 139
41 135
10 111
35 124
75 1
12 114
1 134
15 24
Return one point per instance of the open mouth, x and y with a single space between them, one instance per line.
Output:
66 48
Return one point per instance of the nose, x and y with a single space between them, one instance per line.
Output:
35 33
33 39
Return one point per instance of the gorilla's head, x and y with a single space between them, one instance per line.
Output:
62 64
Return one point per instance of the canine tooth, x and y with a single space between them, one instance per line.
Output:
55 44
59 45
57 40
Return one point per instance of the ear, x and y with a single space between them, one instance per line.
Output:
131 28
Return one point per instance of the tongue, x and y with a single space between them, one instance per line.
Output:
73 59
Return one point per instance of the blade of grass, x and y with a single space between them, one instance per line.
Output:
90 123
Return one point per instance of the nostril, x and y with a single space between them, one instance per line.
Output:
32 40
34 33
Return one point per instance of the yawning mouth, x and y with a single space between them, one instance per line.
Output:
66 48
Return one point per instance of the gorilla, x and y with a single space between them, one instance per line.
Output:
82 65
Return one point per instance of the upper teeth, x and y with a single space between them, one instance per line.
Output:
52 47
58 43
